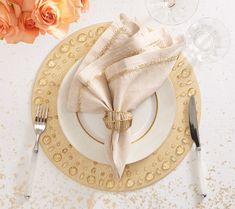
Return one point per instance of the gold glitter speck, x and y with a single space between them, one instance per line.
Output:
185 73
64 48
165 165
140 181
64 165
50 149
72 42
93 170
101 182
185 141
110 184
73 171
149 176
180 150
82 37
51 64
158 171
130 183
187 131
191 92
38 100
173 159
82 175
43 82
46 140
57 157
91 179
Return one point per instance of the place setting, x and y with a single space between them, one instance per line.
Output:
124 135
124 104
116 105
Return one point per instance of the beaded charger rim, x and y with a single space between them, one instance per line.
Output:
93 174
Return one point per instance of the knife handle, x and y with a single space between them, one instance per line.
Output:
201 173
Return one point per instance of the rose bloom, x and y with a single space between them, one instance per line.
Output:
54 16
21 20
27 29
8 21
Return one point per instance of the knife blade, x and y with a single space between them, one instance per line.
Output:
194 131
193 123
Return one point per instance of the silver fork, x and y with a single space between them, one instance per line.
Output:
39 126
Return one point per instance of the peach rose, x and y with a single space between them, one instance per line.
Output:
54 16
46 14
8 21
70 10
21 20
27 29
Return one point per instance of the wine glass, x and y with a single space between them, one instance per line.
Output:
171 12
206 41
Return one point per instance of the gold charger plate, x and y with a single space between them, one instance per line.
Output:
90 173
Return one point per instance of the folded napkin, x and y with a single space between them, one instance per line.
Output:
126 65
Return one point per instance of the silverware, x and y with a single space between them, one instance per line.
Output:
193 124
39 126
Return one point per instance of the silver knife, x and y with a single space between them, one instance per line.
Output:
193 125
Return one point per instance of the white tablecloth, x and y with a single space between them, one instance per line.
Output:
53 190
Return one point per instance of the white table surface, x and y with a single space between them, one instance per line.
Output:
53 190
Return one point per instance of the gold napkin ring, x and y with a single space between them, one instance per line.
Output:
117 120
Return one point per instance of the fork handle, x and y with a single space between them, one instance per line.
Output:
32 169
36 145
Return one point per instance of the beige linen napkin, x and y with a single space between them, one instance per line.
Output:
127 65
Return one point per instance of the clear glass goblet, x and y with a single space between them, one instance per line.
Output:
171 12
207 41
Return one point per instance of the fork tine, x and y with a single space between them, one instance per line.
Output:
42 113
46 113
37 113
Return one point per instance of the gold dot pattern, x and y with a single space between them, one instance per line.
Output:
85 171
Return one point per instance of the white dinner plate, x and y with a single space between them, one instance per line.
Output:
152 121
